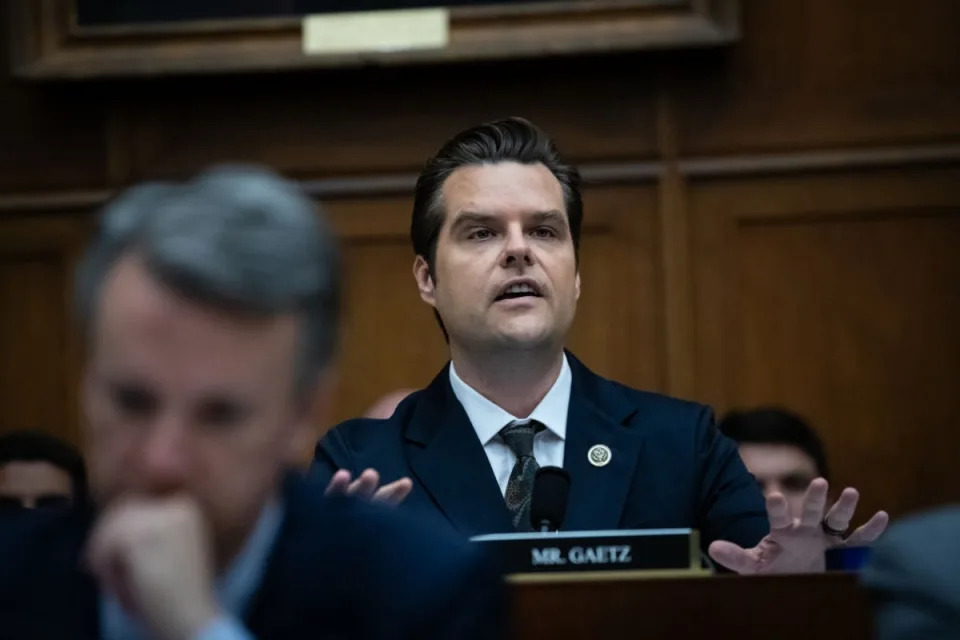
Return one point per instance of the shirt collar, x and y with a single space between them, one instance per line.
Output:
488 418
240 582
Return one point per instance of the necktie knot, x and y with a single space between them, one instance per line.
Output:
519 434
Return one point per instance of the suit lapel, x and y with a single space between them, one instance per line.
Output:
447 458
598 493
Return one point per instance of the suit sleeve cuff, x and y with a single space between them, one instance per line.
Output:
224 628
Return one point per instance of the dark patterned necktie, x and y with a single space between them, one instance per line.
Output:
518 435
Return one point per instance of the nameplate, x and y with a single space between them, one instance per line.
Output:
376 31
600 553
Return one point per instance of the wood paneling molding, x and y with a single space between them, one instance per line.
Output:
832 160
52 201
396 184
40 347
834 294
677 302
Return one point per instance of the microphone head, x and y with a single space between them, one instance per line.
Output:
551 488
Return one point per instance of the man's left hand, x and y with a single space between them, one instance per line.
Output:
797 545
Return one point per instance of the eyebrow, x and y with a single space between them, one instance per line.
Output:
478 217
550 216
472 217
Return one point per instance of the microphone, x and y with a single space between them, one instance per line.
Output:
548 504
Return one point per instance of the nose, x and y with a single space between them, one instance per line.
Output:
516 250
164 456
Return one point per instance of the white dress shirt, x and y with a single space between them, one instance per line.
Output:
488 418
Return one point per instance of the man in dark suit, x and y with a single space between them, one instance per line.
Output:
913 577
496 229
779 449
38 471
210 311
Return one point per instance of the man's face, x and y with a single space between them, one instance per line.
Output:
780 468
506 274
33 485
183 398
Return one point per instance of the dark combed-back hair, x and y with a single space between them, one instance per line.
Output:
37 446
507 140
772 425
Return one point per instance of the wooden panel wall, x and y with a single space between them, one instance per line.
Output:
773 223
837 293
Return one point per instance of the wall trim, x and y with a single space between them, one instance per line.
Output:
805 161
594 173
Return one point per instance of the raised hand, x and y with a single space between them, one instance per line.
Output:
367 486
797 545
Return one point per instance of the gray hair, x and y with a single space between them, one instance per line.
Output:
239 237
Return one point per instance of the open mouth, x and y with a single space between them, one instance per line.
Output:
519 290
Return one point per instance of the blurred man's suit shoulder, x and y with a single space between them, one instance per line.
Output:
669 466
914 577
339 568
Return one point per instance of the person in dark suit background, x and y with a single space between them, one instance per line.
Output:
385 405
38 470
779 449
210 310
913 577
496 230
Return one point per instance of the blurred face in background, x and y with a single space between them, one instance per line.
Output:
780 468
34 484
506 272
183 398
384 406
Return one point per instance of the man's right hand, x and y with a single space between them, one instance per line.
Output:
367 486
155 557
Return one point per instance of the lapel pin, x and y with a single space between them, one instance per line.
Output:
599 455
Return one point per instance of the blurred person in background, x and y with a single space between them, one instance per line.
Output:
384 406
210 309
780 449
39 471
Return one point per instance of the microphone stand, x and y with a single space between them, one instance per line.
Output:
547 527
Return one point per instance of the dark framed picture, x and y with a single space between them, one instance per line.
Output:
76 39
113 12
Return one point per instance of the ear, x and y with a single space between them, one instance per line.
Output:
312 420
88 392
576 285
86 388
421 273
86 400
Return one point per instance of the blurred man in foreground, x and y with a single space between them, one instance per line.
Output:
210 311
496 235
39 471
913 577
782 452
